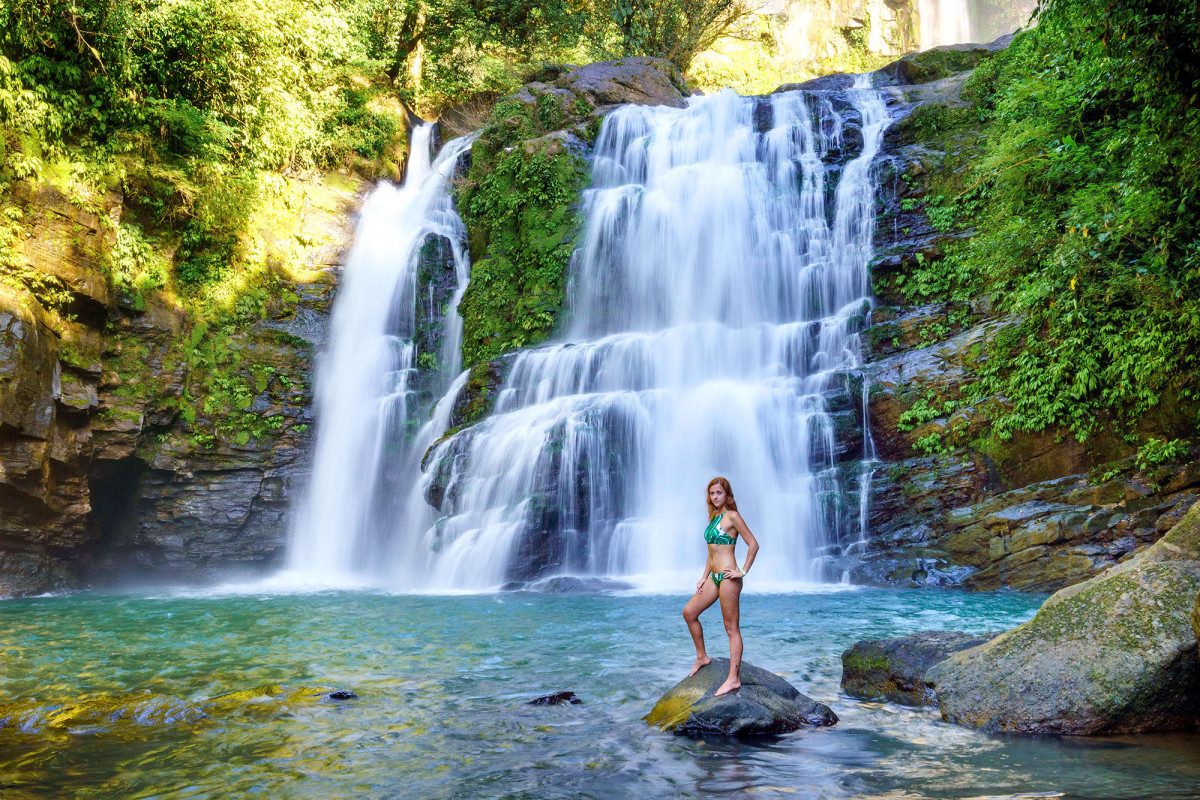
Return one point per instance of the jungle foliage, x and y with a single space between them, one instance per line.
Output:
520 202
1083 193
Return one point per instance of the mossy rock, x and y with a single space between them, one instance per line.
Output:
894 669
1114 654
105 711
765 705
940 62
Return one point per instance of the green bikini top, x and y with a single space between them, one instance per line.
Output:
713 533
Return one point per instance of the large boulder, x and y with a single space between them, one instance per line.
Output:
765 705
1114 654
894 669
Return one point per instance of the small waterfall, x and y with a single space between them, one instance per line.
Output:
715 309
365 394
944 22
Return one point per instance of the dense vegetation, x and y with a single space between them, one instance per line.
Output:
1083 192
520 202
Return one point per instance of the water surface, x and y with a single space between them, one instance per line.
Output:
443 682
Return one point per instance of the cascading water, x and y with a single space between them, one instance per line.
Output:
944 22
365 393
714 312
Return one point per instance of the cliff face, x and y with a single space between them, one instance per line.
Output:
113 458
1038 512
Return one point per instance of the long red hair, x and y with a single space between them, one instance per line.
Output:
730 503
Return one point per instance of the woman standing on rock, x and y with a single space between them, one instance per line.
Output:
721 579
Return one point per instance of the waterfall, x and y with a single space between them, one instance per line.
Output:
944 22
715 305
365 393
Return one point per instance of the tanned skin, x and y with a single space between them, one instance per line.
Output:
721 559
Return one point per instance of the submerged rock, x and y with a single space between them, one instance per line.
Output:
894 669
556 699
102 712
765 705
1114 654
572 584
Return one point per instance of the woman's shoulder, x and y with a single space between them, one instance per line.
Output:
732 514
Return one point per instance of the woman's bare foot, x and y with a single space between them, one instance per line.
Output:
728 686
700 662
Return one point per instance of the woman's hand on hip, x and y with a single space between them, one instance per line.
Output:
734 573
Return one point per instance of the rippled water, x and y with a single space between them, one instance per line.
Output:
443 683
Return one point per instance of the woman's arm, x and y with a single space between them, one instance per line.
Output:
740 525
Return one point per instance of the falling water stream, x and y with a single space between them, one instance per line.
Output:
944 22
715 305
365 393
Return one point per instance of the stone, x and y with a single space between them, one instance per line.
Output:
640 81
556 699
574 584
894 669
938 63
1112 655
1196 619
765 705
101 713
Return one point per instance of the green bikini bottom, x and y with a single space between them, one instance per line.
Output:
717 577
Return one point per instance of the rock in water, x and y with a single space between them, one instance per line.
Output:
1114 654
556 699
766 704
894 669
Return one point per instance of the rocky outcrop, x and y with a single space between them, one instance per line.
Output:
949 505
134 440
1114 654
606 84
894 669
766 704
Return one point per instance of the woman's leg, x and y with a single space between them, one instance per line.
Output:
700 601
731 592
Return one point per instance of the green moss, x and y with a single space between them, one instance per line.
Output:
857 662
933 65
521 205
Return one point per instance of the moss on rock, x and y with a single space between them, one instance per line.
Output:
1114 654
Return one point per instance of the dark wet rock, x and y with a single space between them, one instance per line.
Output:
342 694
574 584
765 705
894 669
556 699
1114 654
825 83
1196 619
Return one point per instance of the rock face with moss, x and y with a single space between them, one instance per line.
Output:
520 197
894 669
765 705
1114 654
136 440
953 505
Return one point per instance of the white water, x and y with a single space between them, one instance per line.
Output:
364 397
944 22
715 308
